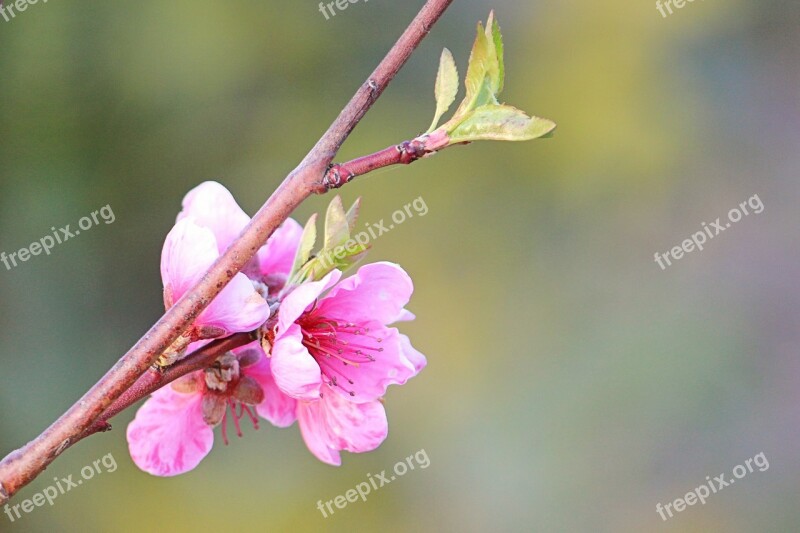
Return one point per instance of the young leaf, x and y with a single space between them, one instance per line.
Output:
337 228
446 88
475 81
497 38
500 123
352 214
342 257
339 250
485 73
494 62
307 242
480 116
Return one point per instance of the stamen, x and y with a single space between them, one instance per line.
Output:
336 355
225 427
333 381
236 419
253 417
328 340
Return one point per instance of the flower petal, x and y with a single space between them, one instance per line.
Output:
333 424
168 436
188 252
368 381
277 256
295 371
315 433
378 291
213 207
277 407
406 316
301 298
414 357
237 308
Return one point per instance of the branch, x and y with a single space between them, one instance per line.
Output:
152 380
20 467
337 175
404 153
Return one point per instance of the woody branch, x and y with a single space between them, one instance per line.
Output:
22 466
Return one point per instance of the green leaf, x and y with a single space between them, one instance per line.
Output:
493 61
446 88
485 73
339 250
336 258
337 227
480 116
500 123
497 38
478 89
352 214
342 257
307 242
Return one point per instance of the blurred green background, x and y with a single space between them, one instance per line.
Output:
572 384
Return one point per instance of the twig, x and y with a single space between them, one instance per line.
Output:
404 153
22 466
152 380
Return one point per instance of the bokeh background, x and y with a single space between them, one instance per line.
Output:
572 384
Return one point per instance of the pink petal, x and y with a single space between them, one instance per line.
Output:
406 316
295 371
414 357
277 256
301 298
371 379
277 407
333 424
168 436
188 252
194 346
378 291
213 207
237 308
315 434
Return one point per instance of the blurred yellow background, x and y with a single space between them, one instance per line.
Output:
572 384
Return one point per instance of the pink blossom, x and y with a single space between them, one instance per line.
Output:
173 430
189 251
341 341
209 222
333 351
212 206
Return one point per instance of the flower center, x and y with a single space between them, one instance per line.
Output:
228 389
222 373
339 347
